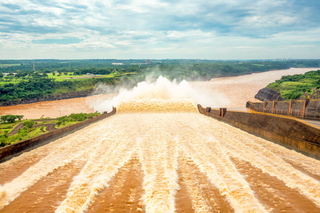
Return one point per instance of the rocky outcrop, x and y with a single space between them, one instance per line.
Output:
267 94
76 94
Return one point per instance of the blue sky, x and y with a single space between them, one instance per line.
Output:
216 29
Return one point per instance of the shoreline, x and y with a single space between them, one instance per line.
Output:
76 94
230 92
86 93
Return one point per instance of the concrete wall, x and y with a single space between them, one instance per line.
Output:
313 109
287 131
296 108
284 130
15 148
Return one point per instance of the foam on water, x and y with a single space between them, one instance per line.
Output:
160 129
111 153
159 139
157 105
163 94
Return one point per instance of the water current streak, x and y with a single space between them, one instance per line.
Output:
105 158
158 155
170 153
73 148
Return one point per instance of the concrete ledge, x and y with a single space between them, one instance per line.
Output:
290 132
307 109
21 146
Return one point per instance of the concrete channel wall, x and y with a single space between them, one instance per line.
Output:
309 109
290 132
21 146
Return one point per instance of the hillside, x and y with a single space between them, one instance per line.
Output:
293 87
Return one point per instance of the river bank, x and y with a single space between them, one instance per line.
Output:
230 92
53 109
240 89
75 94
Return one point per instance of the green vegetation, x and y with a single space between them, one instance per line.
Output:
28 124
10 118
35 87
73 118
53 78
74 77
296 86
25 129
9 65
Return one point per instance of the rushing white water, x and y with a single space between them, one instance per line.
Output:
162 89
165 134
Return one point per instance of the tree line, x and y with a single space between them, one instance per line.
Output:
41 87
28 84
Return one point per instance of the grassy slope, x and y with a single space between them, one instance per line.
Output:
23 134
295 86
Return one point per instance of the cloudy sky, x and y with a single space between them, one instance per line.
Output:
159 29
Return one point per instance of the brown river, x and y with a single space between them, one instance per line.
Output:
231 92
160 156
157 154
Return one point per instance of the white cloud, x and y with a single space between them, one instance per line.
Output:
218 29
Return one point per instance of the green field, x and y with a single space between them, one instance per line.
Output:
296 86
9 65
13 81
31 131
58 77
52 78
72 77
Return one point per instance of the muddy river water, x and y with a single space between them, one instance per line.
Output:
231 92
167 160
160 155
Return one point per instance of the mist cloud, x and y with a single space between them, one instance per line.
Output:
162 89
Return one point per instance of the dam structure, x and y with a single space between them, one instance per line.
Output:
157 155
158 151
305 109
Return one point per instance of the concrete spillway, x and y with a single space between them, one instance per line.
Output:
147 160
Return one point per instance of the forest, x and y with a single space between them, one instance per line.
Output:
43 86
33 79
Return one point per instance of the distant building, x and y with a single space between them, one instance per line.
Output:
148 61
117 63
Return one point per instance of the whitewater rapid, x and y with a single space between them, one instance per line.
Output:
149 158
